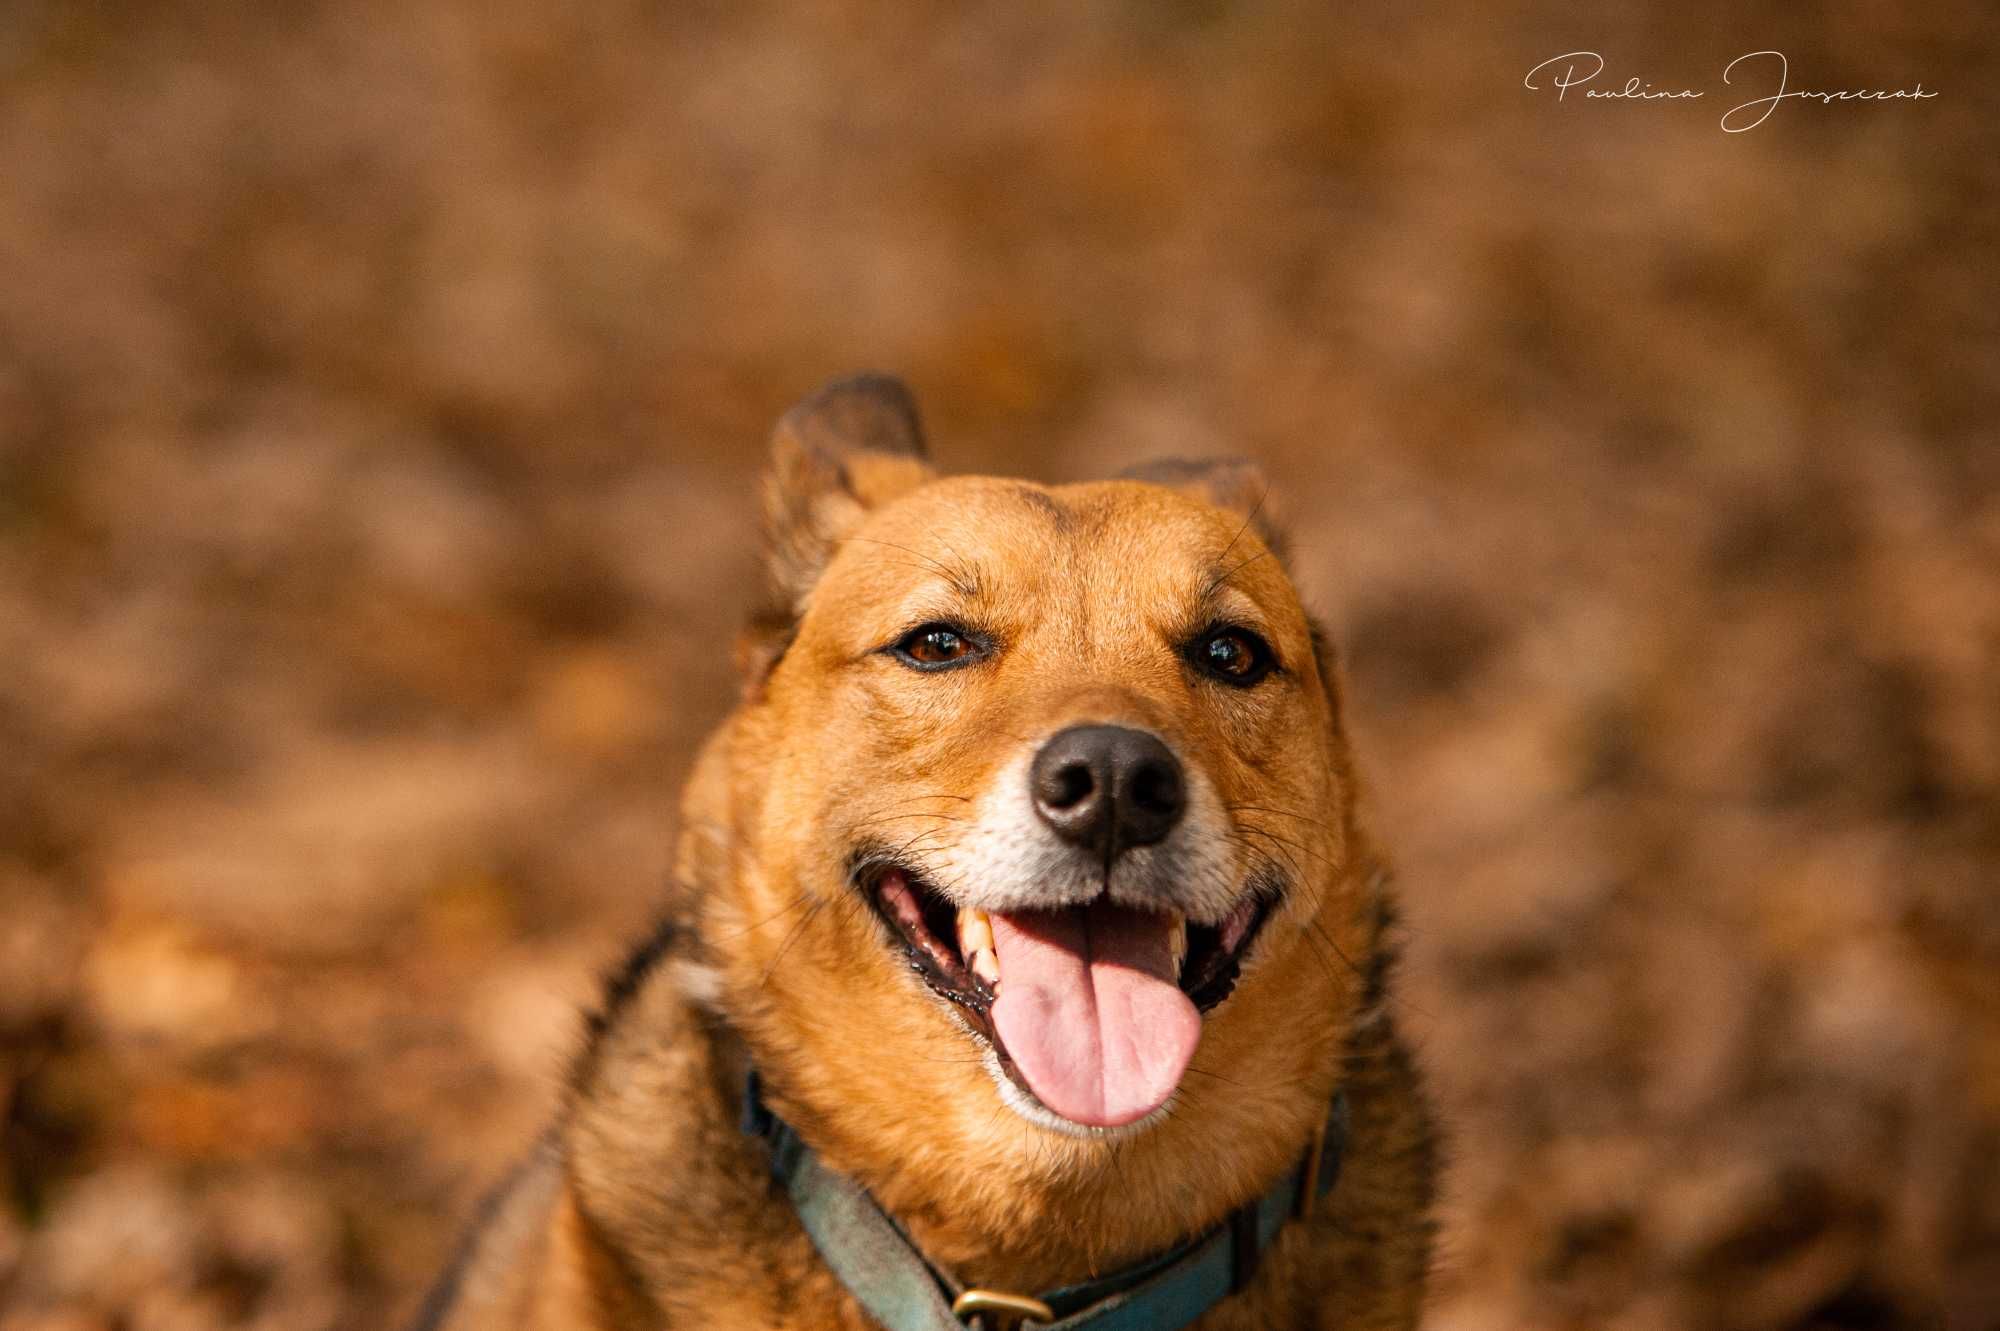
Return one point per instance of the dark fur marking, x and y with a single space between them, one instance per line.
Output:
1046 506
1375 989
443 1293
1322 643
873 412
619 990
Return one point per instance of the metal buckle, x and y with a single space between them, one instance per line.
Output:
1006 1310
1309 1183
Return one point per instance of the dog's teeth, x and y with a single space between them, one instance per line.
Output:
975 942
1178 951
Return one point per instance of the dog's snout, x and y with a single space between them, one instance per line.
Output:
1108 788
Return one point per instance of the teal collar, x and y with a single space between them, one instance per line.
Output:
886 1274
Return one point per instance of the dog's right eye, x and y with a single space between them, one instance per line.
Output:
935 647
1236 656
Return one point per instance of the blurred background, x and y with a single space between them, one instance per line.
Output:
382 388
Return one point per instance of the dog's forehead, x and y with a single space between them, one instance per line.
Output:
1097 561
1098 558
999 526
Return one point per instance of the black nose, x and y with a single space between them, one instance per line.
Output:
1108 788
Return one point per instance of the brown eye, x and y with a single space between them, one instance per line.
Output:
1234 656
935 646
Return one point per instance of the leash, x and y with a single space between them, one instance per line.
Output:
886 1274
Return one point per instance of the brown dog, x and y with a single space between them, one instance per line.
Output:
1028 878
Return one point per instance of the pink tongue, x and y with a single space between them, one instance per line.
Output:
1089 1010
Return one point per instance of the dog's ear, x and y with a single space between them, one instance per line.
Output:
1235 484
853 445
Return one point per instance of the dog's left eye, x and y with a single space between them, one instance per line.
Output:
932 646
1233 655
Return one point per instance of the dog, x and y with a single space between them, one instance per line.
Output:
1027 954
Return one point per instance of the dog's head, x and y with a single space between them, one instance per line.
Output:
1039 819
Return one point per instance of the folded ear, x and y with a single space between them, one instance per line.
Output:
1235 484
851 446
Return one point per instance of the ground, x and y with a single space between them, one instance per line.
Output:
381 392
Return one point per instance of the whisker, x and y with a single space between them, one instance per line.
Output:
796 902
1338 951
1299 846
1281 844
904 563
1255 509
927 832
790 938
1233 571
1217 1076
1332 976
960 583
1262 859
1282 813
897 817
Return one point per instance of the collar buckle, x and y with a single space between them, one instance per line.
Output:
984 1308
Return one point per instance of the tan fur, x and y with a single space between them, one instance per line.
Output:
649 1208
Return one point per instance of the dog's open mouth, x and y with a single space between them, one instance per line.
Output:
1094 1009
